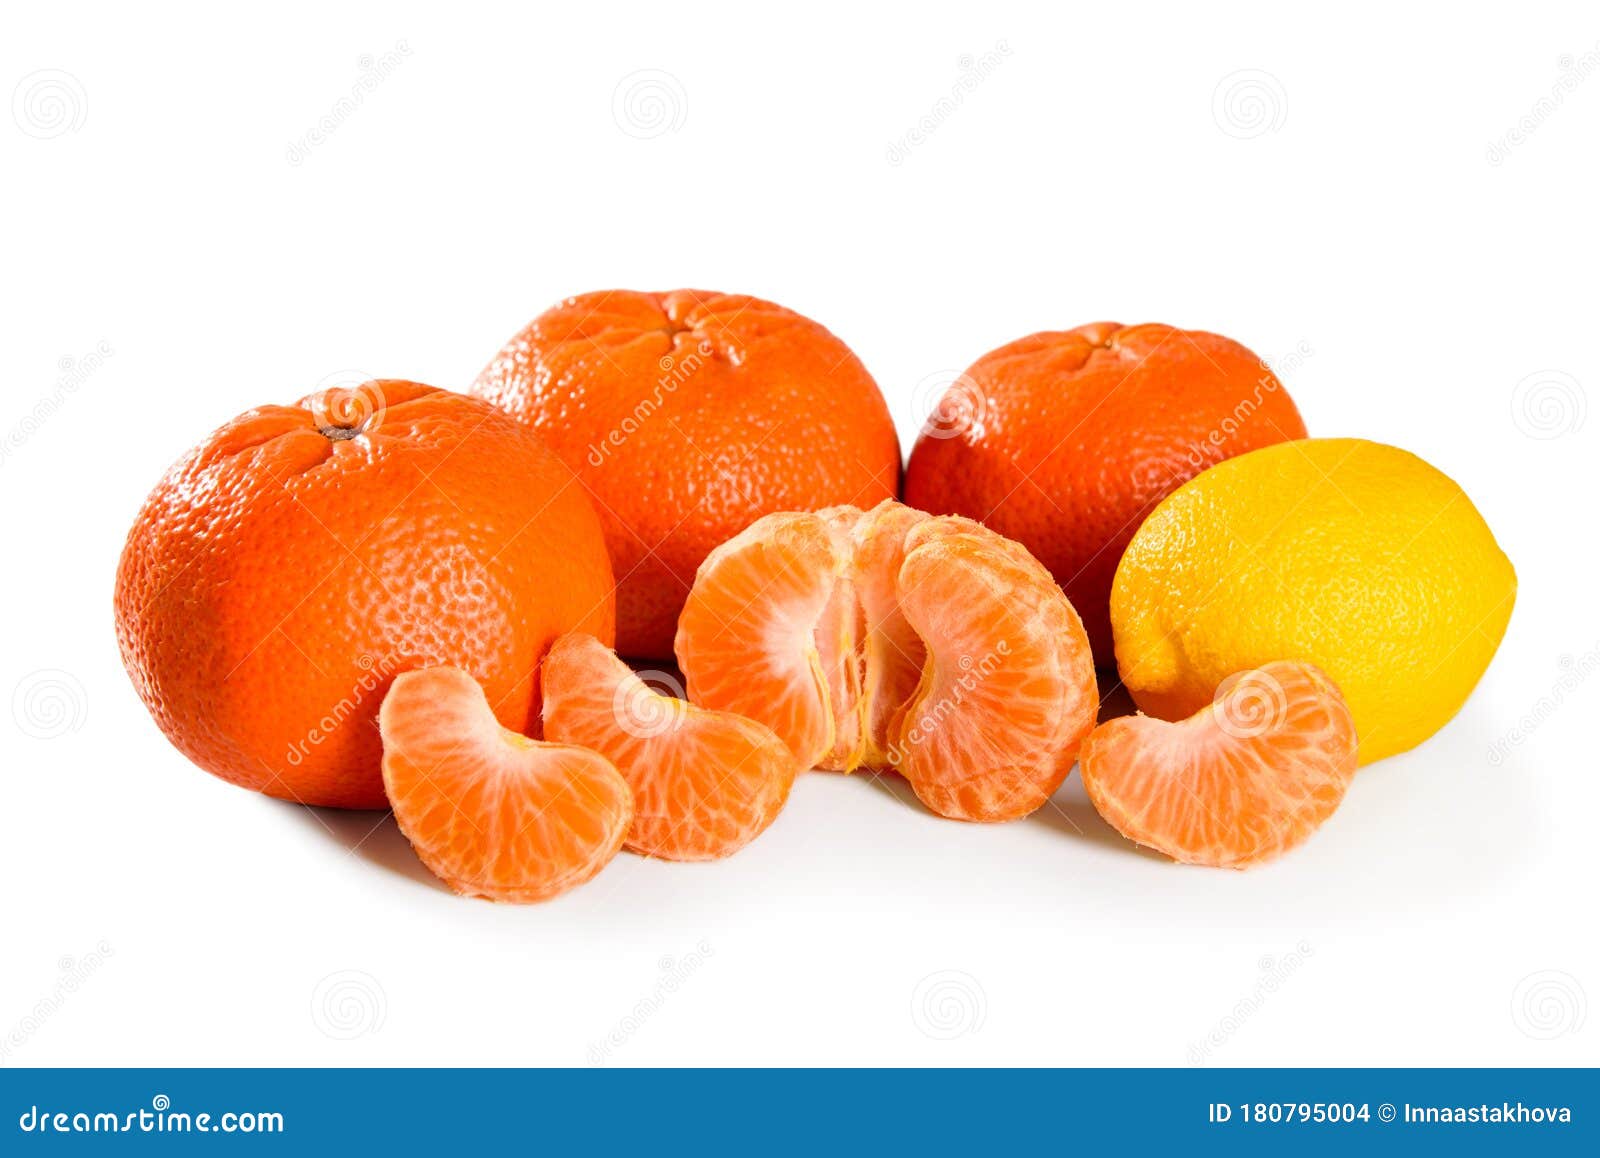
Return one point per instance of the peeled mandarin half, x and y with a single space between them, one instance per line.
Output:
748 637
490 812
889 639
1244 779
704 783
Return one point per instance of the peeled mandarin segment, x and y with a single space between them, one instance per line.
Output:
1244 779
490 812
747 638
704 783
1008 690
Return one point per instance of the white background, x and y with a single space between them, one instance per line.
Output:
1345 199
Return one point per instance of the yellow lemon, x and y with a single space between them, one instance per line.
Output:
1355 556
